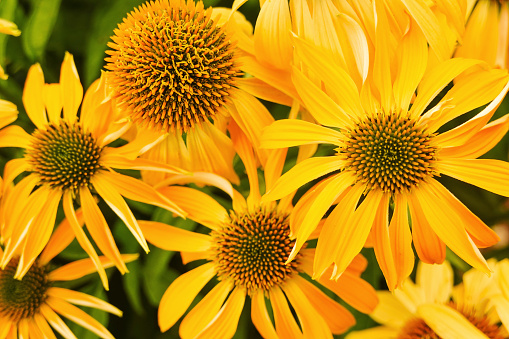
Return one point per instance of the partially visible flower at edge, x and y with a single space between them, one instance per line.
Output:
7 27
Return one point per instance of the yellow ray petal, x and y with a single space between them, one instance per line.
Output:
261 318
70 85
82 299
56 322
318 208
461 134
145 139
291 132
262 90
448 323
481 234
379 332
436 79
337 317
187 257
274 167
301 174
40 232
181 293
44 326
13 168
198 206
33 98
481 142
430 26
60 239
438 214
390 311
111 196
203 178
115 161
82 237
488 174
23 329
78 316
319 104
430 249
435 281
171 238
14 136
382 76
502 307
53 100
80 268
344 89
411 67
286 327
203 313
313 325
5 327
401 239
9 113
355 231
99 229
224 324
327 241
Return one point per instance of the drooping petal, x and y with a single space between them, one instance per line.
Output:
401 239
56 322
454 235
78 316
181 293
206 310
261 318
172 238
313 325
291 132
33 96
72 90
286 326
99 229
337 317
301 174
488 174
44 326
82 299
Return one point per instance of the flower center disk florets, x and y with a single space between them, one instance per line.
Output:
252 248
20 299
63 155
172 65
389 152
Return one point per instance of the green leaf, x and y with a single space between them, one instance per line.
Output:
132 284
39 27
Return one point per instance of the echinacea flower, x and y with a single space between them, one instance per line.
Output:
432 308
7 27
68 159
486 35
389 153
174 70
32 307
246 251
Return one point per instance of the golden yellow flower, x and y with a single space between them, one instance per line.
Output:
68 159
246 251
174 69
34 306
432 308
390 152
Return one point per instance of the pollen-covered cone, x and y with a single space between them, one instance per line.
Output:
389 154
245 249
174 70
67 159
486 34
33 307
432 308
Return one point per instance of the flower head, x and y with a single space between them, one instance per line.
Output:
33 306
68 159
246 251
432 308
390 149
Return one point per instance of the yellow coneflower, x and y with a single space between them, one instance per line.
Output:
432 308
486 35
34 306
68 159
389 152
7 27
174 69
246 251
